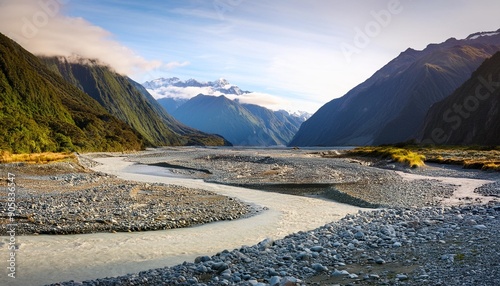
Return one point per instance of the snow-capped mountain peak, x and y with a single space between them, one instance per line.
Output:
157 83
221 83
298 113
171 87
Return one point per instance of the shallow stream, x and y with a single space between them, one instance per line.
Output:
48 259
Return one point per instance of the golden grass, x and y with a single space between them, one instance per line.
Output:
484 159
35 158
410 158
469 157
399 155
494 166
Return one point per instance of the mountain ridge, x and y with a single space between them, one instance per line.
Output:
390 105
173 92
41 112
471 114
241 124
126 99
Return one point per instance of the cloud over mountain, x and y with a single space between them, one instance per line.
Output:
176 88
42 28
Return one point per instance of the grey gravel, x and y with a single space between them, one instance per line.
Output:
72 202
492 190
341 179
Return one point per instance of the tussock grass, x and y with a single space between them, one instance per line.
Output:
495 166
35 158
469 157
399 155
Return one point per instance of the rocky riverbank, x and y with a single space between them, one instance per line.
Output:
426 246
65 198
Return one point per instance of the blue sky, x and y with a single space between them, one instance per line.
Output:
302 53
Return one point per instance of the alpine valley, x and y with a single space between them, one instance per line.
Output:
115 172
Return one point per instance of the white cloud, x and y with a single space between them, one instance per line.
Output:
173 65
263 99
41 28
179 92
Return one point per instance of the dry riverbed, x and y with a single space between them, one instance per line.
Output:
437 225
304 172
65 198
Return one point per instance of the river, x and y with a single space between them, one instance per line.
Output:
46 259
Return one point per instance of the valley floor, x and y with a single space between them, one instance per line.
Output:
435 225
64 198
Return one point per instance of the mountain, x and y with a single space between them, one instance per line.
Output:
128 101
171 104
299 115
261 126
471 115
176 88
281 123
391 105
248 125
40 111
191 136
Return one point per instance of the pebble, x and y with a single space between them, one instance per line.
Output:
339 272
274 281
319 267
402 277
480 227
397 244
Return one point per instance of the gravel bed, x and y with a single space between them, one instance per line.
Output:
492 190
400 193
372 186
425 246
75 203
413 241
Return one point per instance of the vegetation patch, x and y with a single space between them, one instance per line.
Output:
399 155
39 158
469 157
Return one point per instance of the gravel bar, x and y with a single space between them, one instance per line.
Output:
69 202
